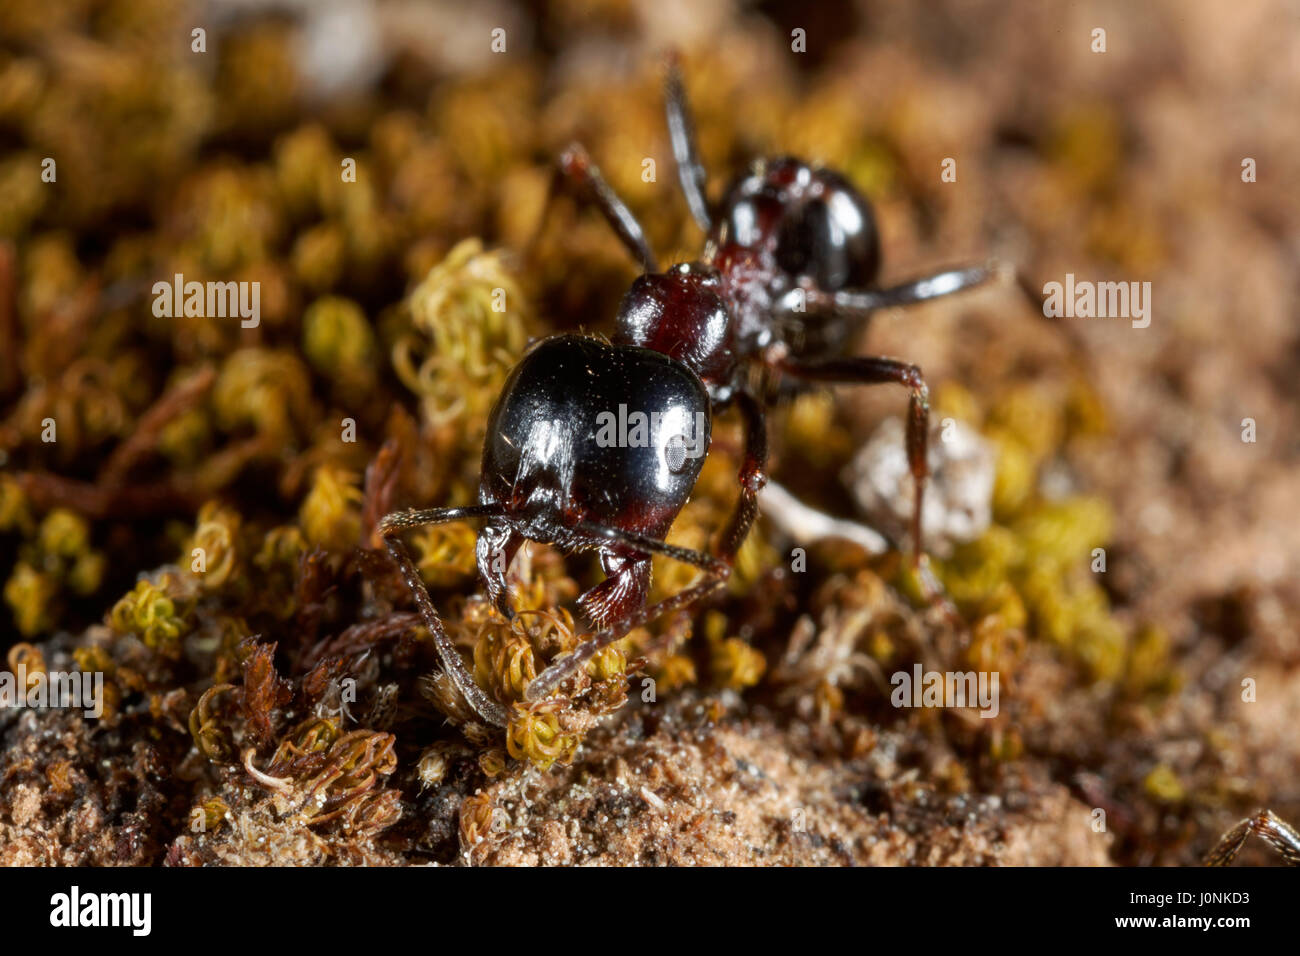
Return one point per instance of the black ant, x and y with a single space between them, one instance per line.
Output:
784 279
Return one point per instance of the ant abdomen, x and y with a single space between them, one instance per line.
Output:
812 221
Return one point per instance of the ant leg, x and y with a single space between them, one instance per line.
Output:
862 301
716 574
1279 834
575 168
391 527
496 548
681 130
753 476
875 371
625 588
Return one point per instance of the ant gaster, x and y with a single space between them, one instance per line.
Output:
784 280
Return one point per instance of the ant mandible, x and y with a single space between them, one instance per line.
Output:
784 279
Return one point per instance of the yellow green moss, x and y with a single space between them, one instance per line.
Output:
152 614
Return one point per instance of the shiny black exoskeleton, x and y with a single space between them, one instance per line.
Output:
571 449
823 228
590 446
786 277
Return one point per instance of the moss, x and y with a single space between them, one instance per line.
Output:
536 734
211 555
339 342
675 672
608 664
736 665
1162 784
469 319
15 512
269 391
25 195
330 514
28 658
504 660
30 595
1013 484
445 553
1032 568
1150 669
1087 143
151 613
215 812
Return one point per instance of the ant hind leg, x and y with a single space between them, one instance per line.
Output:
753 476
869 370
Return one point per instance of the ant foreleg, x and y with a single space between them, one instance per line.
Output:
716 574
1267 825
575 168
391 527
681 130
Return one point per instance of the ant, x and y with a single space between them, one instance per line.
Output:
785 277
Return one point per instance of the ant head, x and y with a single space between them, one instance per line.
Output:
680 313
586 431
812 220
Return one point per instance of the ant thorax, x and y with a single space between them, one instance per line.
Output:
682 314
750 284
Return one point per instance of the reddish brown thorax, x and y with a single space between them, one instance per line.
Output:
683 314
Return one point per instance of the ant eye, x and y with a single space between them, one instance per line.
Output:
675 453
